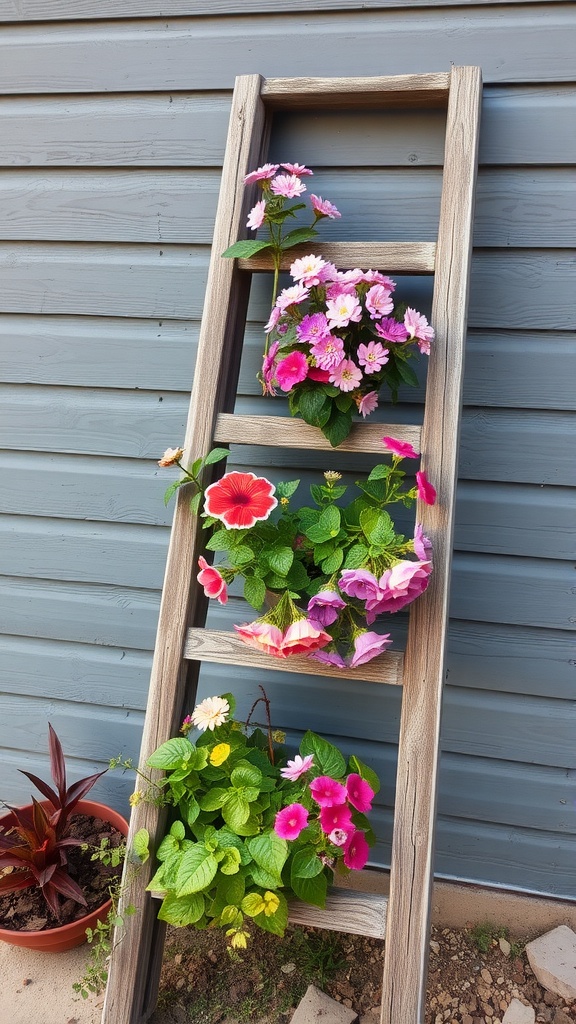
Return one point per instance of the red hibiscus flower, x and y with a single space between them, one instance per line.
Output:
239 500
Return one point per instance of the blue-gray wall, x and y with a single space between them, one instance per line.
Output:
111 139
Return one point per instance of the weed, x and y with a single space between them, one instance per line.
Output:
487 934
319 956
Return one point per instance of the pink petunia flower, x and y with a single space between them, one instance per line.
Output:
378 301
299 766
328 351
391 330
291 821
312 327
356 851
256 215
346 375
298 169
308 270
360 793
367 646
266 171
422 546
292 296
367 403
325 607
315 373
359 583
400 585
402 449
287 185
339 816
240 500
263 636
372 356
327 792
342 310
302 637
426 492
213 582
323 208
291 370
419 328
331 658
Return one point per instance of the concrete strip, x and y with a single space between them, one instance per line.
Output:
38 987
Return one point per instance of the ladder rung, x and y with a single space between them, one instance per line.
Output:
397 90
358 913
289 433
223 648
389 257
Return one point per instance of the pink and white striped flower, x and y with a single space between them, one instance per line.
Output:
342 310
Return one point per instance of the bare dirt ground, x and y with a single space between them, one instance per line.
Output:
473 976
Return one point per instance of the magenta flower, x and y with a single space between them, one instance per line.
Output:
360 793
356 851
400 585
359 583
213 582
372 356
422 546
342 310
325 607
292 296
266 171
339 816
298 169
256 215
287 185
368 645
426 492
312 327
328 658
378 302
327 792
294 769
391 330
402 449
291 370
346 375
291 821
315 373
328 351
308 269
368 403
419 328
323 208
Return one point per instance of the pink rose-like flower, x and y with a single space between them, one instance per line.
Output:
214 584
291 370
378 301
291 821
302 637
426 492
328 351
360 793
266 171
265 637
292 296
331 658
419 328
346 375
338 816
256 215
372 356
368 646
287 185
299 766
323 208
400 585
359 583
327 792
325 607
308 270
402 449
240 500
312 327
368 403
342 310
356 851
422 546
391 330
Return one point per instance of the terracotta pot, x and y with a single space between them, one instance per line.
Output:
66 936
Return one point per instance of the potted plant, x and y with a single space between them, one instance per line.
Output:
52 887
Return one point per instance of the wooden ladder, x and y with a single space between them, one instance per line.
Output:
403 918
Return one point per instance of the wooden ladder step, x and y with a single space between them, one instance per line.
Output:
223 648
265 430
389 257
394 90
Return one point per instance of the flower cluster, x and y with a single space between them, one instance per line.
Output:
252 828
328 570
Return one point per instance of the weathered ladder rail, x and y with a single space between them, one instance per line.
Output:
404 916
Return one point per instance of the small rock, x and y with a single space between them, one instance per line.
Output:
434 946
316 1005
518 1013
552 958
560 1017
486 975
27 981
504 946
288 968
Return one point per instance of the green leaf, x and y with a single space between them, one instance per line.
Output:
214 799
314 407
297 236
197 869
235 809
240 555
305 864
380 472
285 489
254 591
338 427
280 559
181 910
173 488
246 774
356 556
333 562
343 402
195 503
178 831
264 878
330 520
377 526
246 248
230 863
269 851
172 754
140 845
221 540
311 890
276 923
216 455
327 757
407 374
361 769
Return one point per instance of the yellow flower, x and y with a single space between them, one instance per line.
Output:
135 798
278 736
271 903
219 753
284 501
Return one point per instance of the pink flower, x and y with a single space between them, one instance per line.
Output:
342 310
302 637
315 373
328 351
263 636
291 821
287 185
338 837
339 816
359 583
402 449
360 793
378 301
375 277
269 368
422 546
299 766
356 851
400 585
240 500
256 215
328 658
368 403
273 319
214 584
323 208
372 356
312 327
327 792
308 270
419 328
292 296
368 646
297 169
291 370
325 607
266 171
346 375
391 330
426 492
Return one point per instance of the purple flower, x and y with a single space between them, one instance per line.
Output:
287 185
367 646
269 368
360 793
328 351
327 792
400 585
422 546
256 215
359 583
266 171
298 169
291 821
328 658
323 208
324 607
294 769
312 327
391 330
